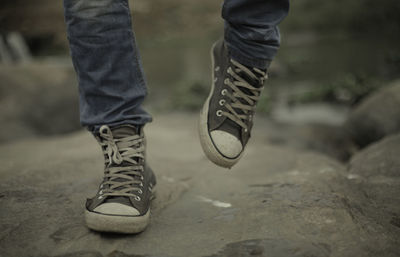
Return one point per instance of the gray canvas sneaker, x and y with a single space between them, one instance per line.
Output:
122 202
227 115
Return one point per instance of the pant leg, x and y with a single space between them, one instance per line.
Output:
103 50
251 29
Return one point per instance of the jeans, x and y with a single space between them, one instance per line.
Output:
102 43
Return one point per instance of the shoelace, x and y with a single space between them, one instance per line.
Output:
250 100
122 180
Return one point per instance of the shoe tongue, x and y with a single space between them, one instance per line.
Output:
230 126
252 81
255 82
124 131
118 133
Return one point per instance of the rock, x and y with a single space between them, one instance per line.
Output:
274 247
40 98
375 172
377 116
277 201
327 139
378 160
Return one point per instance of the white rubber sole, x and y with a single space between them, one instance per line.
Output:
117 224
205 139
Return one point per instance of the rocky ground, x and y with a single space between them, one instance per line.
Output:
314 181
302 189
279 200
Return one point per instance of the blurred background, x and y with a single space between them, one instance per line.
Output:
333 54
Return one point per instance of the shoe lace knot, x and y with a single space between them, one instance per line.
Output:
111 148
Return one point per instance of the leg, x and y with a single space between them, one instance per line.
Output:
239 65
112 89
103 49
251 31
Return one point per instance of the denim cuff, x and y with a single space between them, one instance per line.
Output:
138 122
247 61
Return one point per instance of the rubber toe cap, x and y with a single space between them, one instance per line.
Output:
116 209
227 144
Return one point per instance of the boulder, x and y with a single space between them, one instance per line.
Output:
40 98
375 117
375 172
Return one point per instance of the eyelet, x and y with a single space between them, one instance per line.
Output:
104 129
141 177
140 191
100 197
245 130
137 198
222 102
141 184
216 68
226 81
223 92
219 113
101 192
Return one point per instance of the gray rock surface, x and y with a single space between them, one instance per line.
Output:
330 140
38 99
277 201
377 116
376 173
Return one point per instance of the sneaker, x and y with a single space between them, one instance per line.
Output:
122 202
227 115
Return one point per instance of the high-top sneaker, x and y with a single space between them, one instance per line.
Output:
226 119
122 202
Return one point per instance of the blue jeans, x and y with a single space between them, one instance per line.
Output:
112 86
